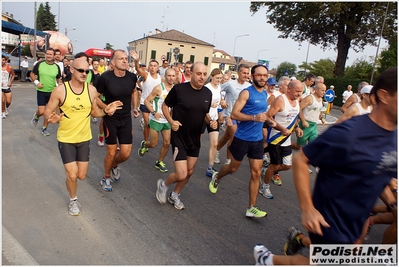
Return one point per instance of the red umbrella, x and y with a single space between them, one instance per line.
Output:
98 52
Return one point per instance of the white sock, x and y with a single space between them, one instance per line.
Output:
73 199
269 260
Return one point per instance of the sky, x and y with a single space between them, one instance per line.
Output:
219 23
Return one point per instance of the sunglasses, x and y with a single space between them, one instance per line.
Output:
82 70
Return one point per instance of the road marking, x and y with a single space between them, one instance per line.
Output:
14 252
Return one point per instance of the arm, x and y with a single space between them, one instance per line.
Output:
349 113
303 104
96 110
174 124
277 106
311 218
34 76
12 73
236 113
56 98
136 58
147 102
348 103
136 113
389 199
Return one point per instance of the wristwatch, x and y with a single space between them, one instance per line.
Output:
153 113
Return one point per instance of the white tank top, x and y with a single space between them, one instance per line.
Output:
157 104
362 110
312 112
148 85
285 118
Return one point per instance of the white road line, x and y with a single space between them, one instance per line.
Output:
14 252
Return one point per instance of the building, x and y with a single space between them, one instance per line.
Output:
8 40
174 46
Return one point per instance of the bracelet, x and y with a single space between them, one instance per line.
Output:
391 206
254 118
36 82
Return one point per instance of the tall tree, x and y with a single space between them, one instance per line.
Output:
338 25
45 19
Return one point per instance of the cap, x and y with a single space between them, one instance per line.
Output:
366 89
271 81
332 86
26 57
293 78
142 65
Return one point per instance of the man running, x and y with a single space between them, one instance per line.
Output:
158 122
118 84
77 100
190 103
363 107
45 75
7 77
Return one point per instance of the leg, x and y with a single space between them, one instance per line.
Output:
255 166
8 99
153 142
123 155
109 159
232 130
165 145
183 180
213 142
3 102
146 130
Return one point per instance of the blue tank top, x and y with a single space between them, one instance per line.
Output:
257 103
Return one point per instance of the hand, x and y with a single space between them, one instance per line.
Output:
223 104
213 124
261 117
40 85
175 125
215 104
311 221
305 124
112 107
136 113
54 117
134 55
299 132
286 132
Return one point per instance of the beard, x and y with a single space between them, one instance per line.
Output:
259 84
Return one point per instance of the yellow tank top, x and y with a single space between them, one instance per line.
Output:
75 124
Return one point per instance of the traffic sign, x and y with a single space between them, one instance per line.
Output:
330 95
163 57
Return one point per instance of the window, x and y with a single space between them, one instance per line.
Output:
181 45
192 58
193 47
206 59
180 58
168 57
153 54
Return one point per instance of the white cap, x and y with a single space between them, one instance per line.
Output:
366 89
332 86
293 78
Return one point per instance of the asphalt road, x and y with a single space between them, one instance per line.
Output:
128 226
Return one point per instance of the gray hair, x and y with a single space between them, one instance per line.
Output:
282 79
361 85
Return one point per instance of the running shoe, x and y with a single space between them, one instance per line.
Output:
142 149
209 172
6 111
34 120
161 166
255 212
115 174
74 207
106 184
261 254
224 126
94 120
216 160
227 161
264 190
277 180
3 115
161 192
293 244
45 132
214 184
175 200
100 141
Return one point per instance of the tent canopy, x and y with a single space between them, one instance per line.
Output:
14 28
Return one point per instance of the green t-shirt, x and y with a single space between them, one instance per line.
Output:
46 75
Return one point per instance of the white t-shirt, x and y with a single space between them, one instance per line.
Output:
216 98
346 95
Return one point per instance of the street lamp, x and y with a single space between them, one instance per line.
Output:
270 61
234 49
66 30
257 57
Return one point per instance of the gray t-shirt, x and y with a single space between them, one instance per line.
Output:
232 89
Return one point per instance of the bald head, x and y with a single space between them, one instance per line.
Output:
294 91
198 75
80 63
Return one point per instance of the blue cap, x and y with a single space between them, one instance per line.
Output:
271 81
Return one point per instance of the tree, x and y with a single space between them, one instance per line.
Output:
26 51
45 20
109 46
361 69
322 67
284 68
338 25
389 57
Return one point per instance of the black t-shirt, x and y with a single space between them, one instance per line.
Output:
189 108
117 88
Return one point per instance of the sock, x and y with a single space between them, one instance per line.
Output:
44 128
73 199
174 194
106 176
210 166
102 135
269 260
163 184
